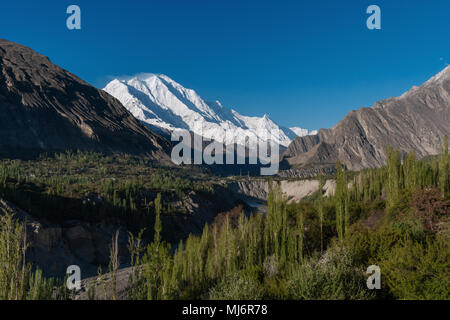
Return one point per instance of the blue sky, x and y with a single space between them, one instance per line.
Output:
305 63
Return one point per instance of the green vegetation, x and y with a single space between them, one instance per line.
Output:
92 187
395 217
18 281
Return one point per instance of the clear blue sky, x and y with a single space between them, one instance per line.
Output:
305 63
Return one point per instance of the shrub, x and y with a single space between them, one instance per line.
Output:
331 277
429 207
238 286
415 270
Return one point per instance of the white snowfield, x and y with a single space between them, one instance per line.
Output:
160 102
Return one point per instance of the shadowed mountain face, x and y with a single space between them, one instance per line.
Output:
46 108
418 120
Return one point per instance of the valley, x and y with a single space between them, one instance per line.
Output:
73 203
87 179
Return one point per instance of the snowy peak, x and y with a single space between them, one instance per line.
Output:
161 103
303 132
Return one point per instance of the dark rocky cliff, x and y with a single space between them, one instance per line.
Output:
46 108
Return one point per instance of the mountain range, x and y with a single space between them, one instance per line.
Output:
164 105
45 108
417 120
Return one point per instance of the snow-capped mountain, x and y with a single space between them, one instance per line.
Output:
165 105
302 132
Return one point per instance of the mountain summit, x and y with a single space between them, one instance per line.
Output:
165 105
46 108
417 120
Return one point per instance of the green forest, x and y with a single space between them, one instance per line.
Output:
395 217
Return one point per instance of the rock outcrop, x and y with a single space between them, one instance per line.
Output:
295 190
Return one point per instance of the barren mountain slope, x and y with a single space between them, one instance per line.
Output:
418 120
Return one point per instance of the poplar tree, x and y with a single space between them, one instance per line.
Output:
320 208
158 226
341 201
17 280
444 169
156 257
393 181
410 171
301 229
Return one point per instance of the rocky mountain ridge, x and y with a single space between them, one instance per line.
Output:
417 120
